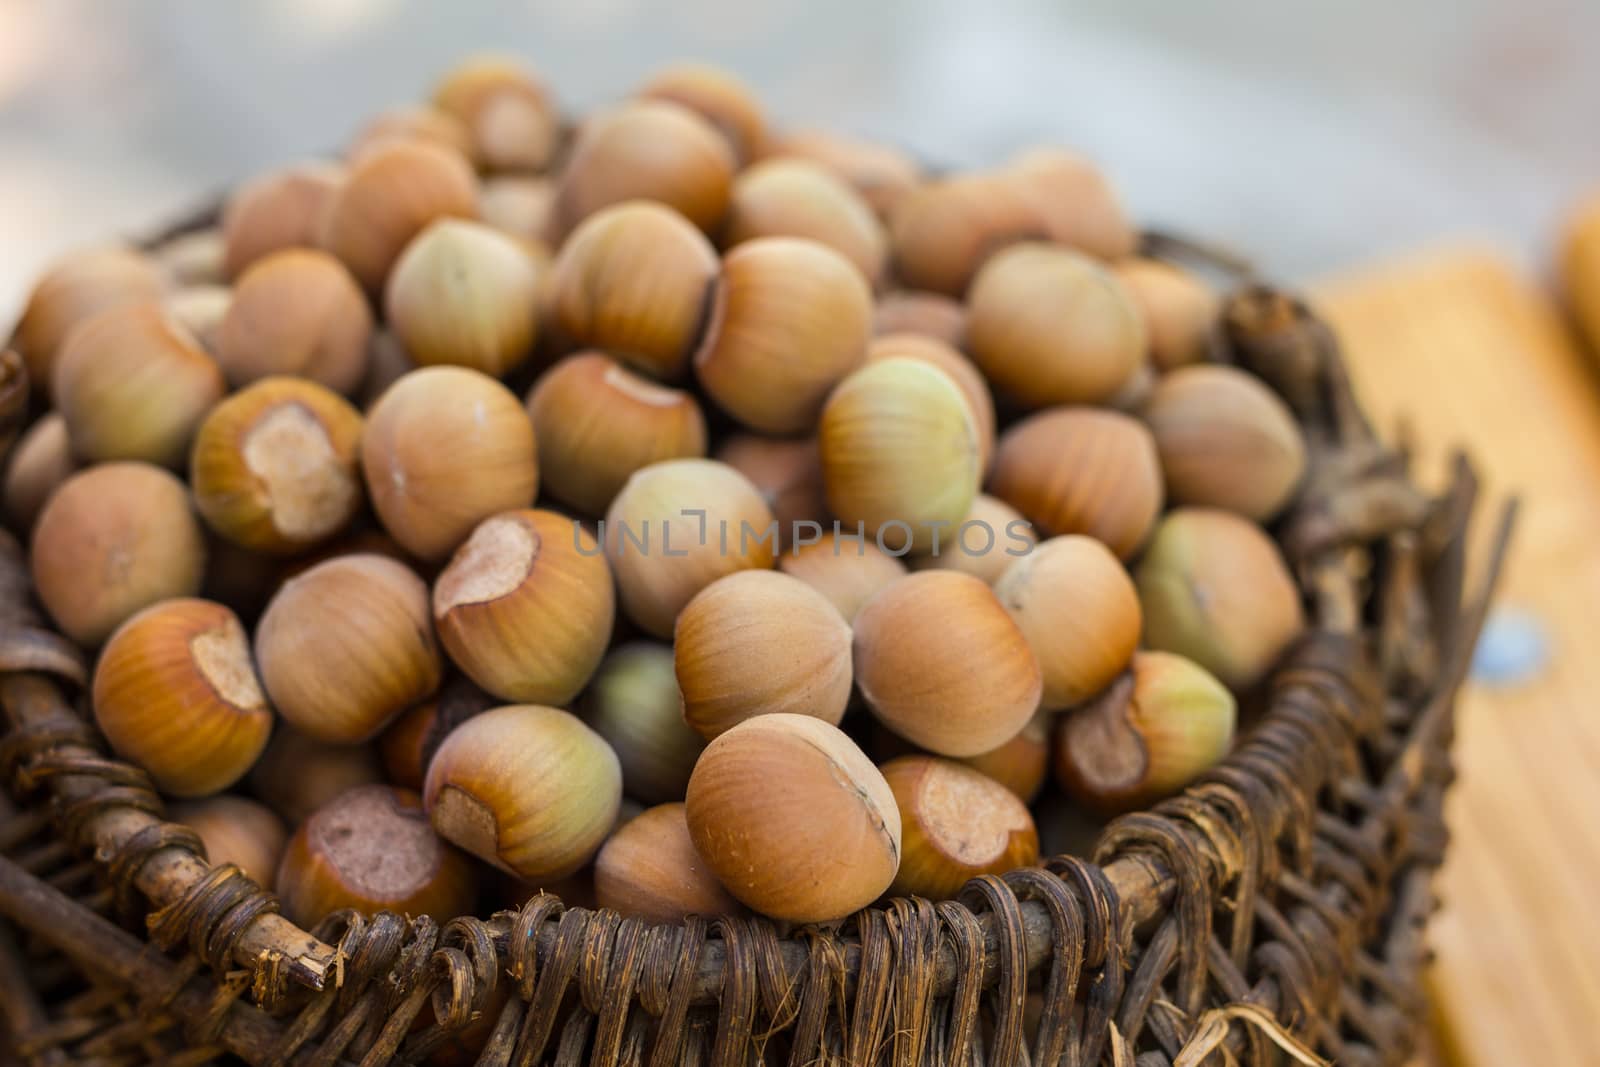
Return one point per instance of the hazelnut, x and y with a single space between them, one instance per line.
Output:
392 193
112 540
635 280
133 384
678 526
798 198
505 108
647 150
347 646
649 868
719 98
1082 470
789 319
1022 763
1051 326
759 642
941 663
371 849
274 466
961 370
992 537
1154 731
793 819
445 448
788 474
943 231
900 452
518 205
194 258
176 693
76 288
463 293
1214 588
529 789
40 461
415 123
597 423
1180 310
1074 201
848 571
297 312
1079 611
525 607
934 315
283 209
880 173
297 775
634 704
239 831
200 309
1226 441
955 824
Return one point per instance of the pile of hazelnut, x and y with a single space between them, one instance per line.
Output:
670 511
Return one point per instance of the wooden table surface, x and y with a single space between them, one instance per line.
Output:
1469 352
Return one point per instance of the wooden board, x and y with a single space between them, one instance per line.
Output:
1471 353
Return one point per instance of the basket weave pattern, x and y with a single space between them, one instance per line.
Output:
1271 913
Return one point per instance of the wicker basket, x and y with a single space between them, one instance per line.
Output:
1274 912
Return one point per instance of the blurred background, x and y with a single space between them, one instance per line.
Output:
1352 148
1315 135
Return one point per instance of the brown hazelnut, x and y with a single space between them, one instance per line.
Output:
759 642
880 173
371 849
239 831
175 692
678 526
296 775
943 231
992 537
133 384
649 868
283 209
505 108
955 824
392 193
847 571
77 287
634 280
793 819
1179 309
647 150
635 705
1022 763
1079 611
1214 588
463 293
934 315
40 461
1074 201
1082 470
788 474
789 319
445 448
1156 729
518 205
525 607
1226 441
112 540
953 689
597 423
719 98
1051 326
347 646
297 312
415 123
529 789
274 467
798 198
